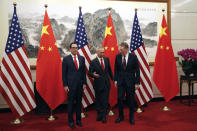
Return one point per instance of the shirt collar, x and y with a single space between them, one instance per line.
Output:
74 56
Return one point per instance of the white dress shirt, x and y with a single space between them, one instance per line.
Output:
100 61
76 59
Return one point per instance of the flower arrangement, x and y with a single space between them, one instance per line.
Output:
189 61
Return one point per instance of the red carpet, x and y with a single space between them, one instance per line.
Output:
180 118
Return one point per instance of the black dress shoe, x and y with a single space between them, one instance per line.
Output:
71 125
104 120
119 120
79 123
132 122
99 118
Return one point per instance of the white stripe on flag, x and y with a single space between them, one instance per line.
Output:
84 103
9 94
144 54
7 75
26 76
90 85
139 97
24 57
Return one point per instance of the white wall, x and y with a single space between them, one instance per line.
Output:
3 37
183 24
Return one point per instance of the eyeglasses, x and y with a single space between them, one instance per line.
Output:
74 47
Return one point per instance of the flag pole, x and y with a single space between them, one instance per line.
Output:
83 114
51 117
17 120
139 110
165 108
111 113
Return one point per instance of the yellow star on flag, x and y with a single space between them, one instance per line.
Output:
50 49
112 49
44 30
163 31
42 47
107 31
167 48
106 47
55 44
161 47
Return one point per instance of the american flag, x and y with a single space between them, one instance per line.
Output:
144 93
15 77
81 40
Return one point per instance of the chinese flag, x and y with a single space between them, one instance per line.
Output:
49 68
111 50
165 71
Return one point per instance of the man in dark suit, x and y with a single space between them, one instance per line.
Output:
74 80
127 79
100 71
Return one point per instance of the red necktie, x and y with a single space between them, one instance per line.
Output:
102 65
75 60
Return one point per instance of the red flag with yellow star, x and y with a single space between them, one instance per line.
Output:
165 71
111 50
49 68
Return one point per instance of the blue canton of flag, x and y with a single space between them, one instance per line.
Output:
136 37
15 39
144 93
80 35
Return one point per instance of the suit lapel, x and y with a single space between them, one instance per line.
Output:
121 61
73 63
98 63
105 62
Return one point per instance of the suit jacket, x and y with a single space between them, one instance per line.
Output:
132 73
104 80
70 75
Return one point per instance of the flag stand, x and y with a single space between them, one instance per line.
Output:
83 115
111 113
165 108
17 121
139 110
51 117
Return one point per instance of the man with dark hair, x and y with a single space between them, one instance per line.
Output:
100 71
127 79
74 80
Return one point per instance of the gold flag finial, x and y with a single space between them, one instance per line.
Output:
109 8
14 3
45 5
135 9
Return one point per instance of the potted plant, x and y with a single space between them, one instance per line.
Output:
188 61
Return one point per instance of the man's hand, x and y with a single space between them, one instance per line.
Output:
66 88
137 86
84 86
96 75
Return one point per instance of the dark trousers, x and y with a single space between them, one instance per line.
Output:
102 98
74 96
122 89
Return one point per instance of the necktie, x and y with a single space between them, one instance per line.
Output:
102 65
75 60
124 63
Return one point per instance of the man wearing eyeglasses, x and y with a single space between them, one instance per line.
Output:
127 80
74 81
